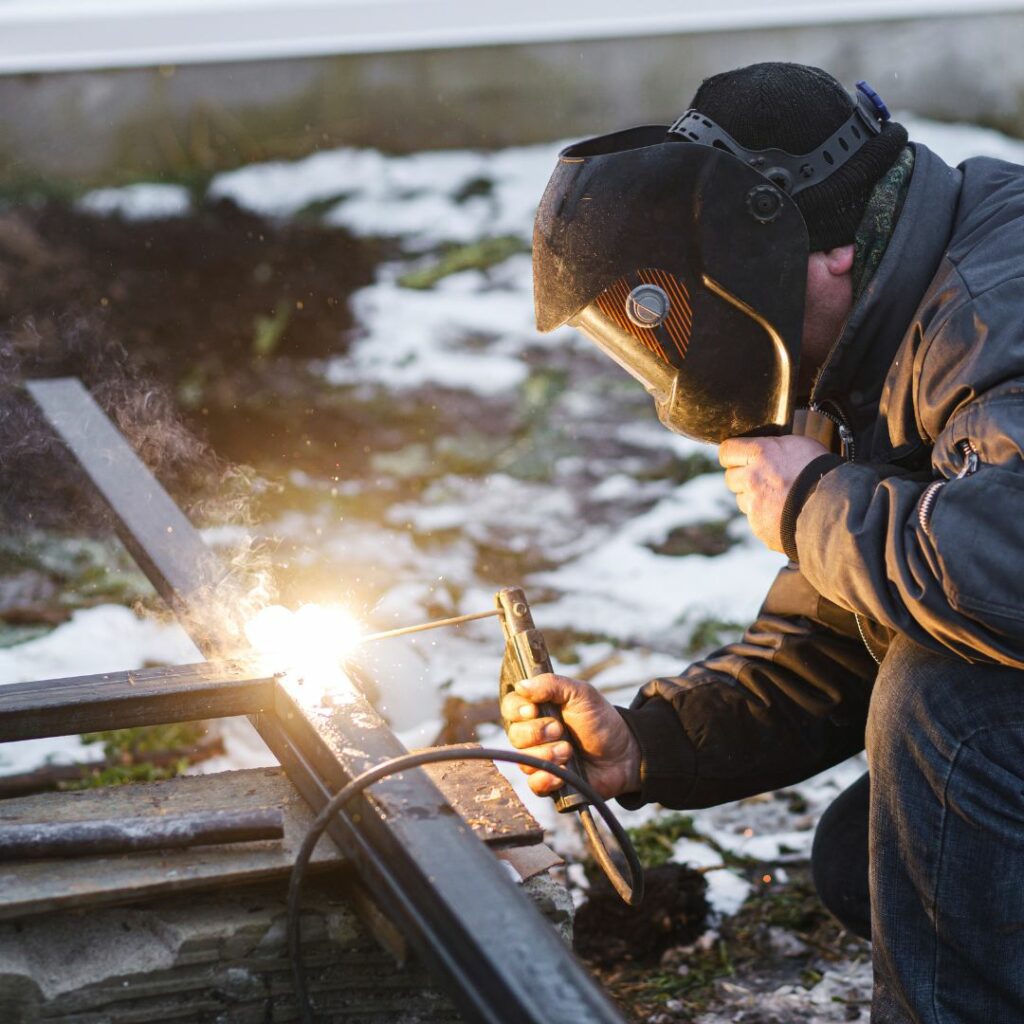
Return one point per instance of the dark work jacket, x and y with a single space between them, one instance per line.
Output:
921 533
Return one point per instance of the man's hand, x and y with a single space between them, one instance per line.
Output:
760 471
608 750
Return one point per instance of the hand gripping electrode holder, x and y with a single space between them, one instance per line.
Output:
526 656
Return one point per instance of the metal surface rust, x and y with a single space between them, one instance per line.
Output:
57 839
452 899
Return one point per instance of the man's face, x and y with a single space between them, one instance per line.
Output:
828 303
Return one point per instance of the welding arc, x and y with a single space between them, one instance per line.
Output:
393 766
436 624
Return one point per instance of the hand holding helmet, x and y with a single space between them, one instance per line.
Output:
760 472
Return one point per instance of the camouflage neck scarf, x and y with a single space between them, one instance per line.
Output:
879 220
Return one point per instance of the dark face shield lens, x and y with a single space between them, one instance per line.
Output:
643 321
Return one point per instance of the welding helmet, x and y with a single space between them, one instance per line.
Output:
683 256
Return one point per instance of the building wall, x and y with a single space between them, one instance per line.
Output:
78 128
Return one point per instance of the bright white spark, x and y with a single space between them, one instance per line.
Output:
310 644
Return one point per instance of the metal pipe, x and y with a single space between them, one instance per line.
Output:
35 840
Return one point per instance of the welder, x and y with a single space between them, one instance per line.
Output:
843 313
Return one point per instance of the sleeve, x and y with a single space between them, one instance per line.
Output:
787 701
939 561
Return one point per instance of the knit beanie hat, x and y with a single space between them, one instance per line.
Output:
795 108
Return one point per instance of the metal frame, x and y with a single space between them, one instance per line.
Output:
122 700
500 960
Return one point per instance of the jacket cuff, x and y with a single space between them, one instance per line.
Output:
667 761
803 487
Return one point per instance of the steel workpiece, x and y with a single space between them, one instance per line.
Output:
489 946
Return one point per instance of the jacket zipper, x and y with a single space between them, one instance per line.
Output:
864 639
931 492
847 451
847 448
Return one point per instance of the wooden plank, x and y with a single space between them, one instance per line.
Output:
118 700
479 792
32 887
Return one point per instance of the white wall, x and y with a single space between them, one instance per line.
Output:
50 35
100 126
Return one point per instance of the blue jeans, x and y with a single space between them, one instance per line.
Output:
940 817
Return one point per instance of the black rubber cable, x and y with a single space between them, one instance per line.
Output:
633 888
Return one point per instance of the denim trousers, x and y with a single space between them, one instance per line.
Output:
924 855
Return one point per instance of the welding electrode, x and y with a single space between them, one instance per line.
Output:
457 620
526 655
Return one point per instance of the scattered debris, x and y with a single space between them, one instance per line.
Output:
462 717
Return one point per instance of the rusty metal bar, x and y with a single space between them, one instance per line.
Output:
119 700
39 840
498 957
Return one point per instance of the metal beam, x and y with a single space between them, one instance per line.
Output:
158 535
44 840
119 700
498 957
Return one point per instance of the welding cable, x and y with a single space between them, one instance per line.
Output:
634 887
629 892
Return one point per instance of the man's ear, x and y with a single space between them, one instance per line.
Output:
839 261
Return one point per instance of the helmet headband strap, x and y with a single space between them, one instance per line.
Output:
794 172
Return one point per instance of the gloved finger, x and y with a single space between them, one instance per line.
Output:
528 734
515 708
559 752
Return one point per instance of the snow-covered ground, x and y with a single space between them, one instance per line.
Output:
597 526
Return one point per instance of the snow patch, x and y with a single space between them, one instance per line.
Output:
471 341
108 638
144 201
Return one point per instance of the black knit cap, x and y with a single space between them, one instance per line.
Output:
796 108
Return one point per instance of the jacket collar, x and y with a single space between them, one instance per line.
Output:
856 368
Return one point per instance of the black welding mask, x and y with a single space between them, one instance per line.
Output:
684 264
683 255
